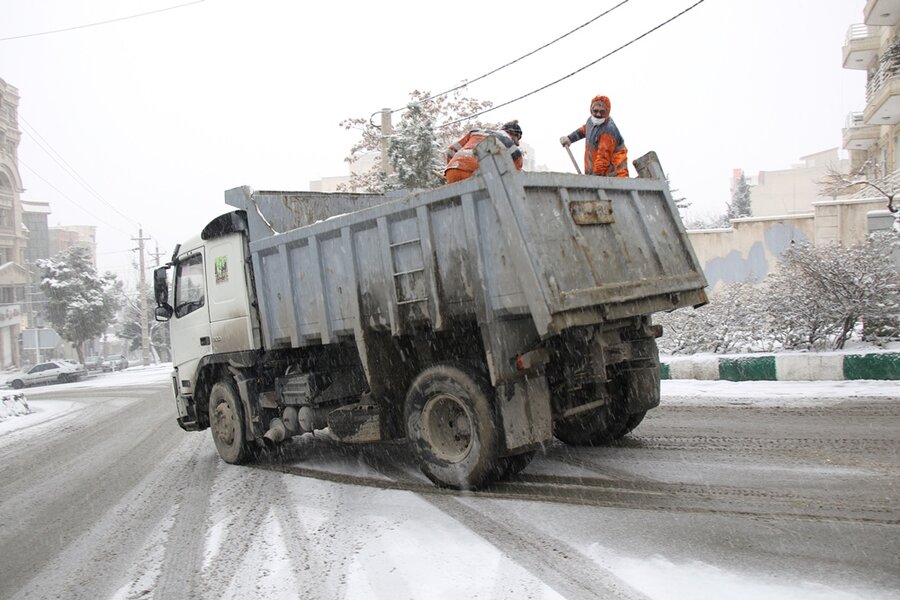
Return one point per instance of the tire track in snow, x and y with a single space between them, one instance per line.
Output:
557 564
183 558
100 539
246 506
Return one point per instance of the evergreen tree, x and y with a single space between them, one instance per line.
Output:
740 200
414 152
80 303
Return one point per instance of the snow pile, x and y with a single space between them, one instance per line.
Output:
13 406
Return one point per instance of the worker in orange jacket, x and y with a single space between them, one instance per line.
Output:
604 148
461 161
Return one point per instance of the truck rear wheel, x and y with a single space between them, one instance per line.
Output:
592 428
226 419
513 465
633 421
451 424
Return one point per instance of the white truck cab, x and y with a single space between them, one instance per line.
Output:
211 313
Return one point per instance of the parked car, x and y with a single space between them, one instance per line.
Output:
116 362
47 372
97 363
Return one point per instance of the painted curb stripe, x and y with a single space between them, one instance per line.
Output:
786 367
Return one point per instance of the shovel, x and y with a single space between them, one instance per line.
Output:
574 162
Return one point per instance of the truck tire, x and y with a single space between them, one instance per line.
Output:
451 425
513 465
226 422
593 428
633 421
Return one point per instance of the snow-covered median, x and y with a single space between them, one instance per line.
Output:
13 405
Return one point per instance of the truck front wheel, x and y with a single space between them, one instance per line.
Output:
451 424
226 419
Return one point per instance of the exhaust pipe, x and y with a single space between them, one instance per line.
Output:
276 433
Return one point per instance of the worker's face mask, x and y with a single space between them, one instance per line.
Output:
597 120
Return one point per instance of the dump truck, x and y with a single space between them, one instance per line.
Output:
479 320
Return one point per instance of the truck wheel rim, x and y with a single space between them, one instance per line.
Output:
447 427
223 423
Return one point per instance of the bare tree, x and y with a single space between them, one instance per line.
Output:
835 183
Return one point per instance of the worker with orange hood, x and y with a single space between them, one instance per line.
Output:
461 161
605 153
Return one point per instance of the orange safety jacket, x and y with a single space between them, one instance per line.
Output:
463 152
604 147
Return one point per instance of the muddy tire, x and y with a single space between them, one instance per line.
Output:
633 421
593 428
226 422
513 465
451 425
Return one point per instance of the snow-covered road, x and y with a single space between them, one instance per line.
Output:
727 491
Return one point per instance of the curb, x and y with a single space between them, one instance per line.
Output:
784 367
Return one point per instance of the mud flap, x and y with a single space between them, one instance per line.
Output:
640 389
525 414
246 387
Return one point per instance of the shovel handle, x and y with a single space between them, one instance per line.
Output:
574 162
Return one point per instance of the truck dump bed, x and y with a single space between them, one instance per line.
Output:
563 249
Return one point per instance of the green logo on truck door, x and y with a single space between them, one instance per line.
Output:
221 269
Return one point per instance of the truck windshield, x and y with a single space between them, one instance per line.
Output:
189 294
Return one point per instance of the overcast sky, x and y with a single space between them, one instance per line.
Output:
158 115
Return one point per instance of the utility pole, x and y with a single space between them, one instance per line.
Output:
386 130
142 291
156 255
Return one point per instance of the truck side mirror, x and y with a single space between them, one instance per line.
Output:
161 286
163 312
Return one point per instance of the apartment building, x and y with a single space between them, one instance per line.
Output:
13 276
872 135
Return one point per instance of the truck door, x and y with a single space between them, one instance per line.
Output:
228 299
190 329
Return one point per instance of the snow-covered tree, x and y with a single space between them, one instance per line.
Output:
707 222
681 203
731 322
439 111
818 297
740 200
414 151
129 328
846 285
80 303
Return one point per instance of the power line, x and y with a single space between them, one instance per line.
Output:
62 162
524 56
552 83
64 195
144 14
70 170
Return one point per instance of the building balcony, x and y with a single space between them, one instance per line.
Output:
858 135
882 12
883 89
861 46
